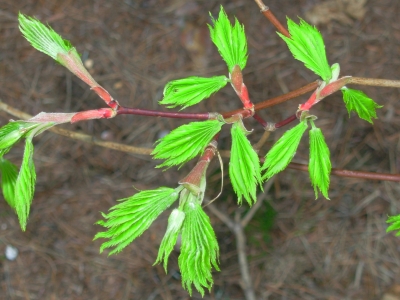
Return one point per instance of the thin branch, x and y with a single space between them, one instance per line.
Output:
224 153
352 174
247 284
260 120
260 199
94 141
220 215
79 136
375 82
286 121
155 113
262 141
280 99
270 16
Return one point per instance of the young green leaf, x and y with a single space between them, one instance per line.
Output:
395 220
307 45
129 219
199 249
9 174
244 165
320 163
230 40
13 131
282 152
357 101
190 91
185 142
42 37
25 185
168 242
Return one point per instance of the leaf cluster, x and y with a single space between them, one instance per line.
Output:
43 38
230 40
185 142
282 152
192 90
360 103
199 249
307 45
319 166
244 165
129 219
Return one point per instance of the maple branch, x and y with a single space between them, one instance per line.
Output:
155 113
278 100
352 174
375 82
270 16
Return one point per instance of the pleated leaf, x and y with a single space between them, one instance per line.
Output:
43 38
320 163
168 242
199 249
244 166
129 219
307 45
360 103
13 131
395 224
230 40
282 152
25 185
185 142
192 90
9 174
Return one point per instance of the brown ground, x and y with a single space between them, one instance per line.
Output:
320 249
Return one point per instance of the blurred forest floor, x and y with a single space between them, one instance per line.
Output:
298 247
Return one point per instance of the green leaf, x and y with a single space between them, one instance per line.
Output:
199 249
395 220
282 152
190 91
42 37
230 40
357 101
25 185
185 142
320 163
13 131
129 219
244 165
307 45
9 174
168 242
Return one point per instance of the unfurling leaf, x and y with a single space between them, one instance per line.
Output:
282 152
168 242
13 131
230 40
129 219
42 37
307 45
395 220
199 250
185 142
320 163
190 91
244 165
25 185
9 174
357 101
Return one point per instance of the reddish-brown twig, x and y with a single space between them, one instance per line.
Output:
270 16
352 174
